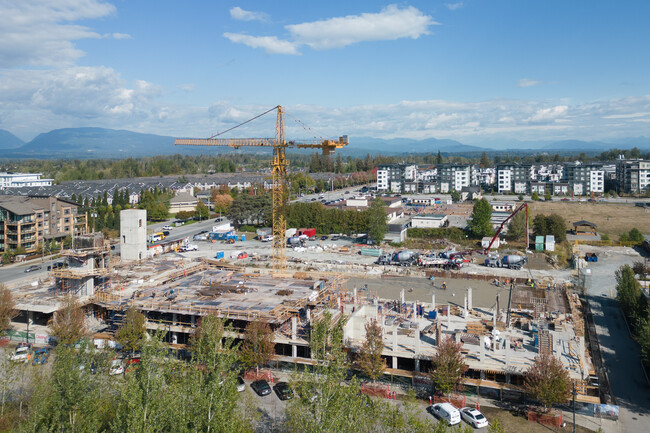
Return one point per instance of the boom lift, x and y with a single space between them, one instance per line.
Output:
279 169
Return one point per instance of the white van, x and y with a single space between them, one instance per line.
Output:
446 412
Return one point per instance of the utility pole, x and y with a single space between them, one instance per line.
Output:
574 407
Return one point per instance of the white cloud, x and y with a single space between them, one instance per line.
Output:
546 115
390 23
271 44
187 87
454 6
526 82
40 32
121 36
243 15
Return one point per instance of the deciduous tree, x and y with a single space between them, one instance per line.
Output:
547 381
534 196
370 360
448 366
201 211
456 197
68 324
132 331
377 224
258 346
7 308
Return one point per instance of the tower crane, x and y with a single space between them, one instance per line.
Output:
279 169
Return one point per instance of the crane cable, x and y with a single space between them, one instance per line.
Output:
243 123
305 127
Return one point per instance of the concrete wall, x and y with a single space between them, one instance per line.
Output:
133 234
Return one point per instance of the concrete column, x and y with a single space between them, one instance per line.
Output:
193 321
507 339
401 296
417 342
294 350
464 305
395 362
294 327
414 312
354 296
433 301
482 353
308 315
395 339
469 299
448 315
417 364
174 319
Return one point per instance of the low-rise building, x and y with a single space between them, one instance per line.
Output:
633 176
19 180
454 177
430 221
391 177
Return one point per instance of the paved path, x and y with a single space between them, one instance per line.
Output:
621 354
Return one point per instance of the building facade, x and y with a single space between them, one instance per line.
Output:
584 179
28 222
20 180
633 176
454 177
514 178
393 177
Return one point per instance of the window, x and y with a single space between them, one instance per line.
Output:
140 223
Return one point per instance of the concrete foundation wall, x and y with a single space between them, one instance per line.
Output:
133 234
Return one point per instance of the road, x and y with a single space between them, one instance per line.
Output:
621 354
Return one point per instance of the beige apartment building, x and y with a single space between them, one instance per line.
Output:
29 221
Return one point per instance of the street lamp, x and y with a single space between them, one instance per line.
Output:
29 322
94 215
574 407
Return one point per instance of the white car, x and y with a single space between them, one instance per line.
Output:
116 367
473 417
21 354
189 247
167 227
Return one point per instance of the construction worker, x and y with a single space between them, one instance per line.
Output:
444 286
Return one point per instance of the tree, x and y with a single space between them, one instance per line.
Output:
222 202
547 381
133 330
520 197
456 197
496 427
481 222
7 308
448 366
184 215
439 157
517 227
68 324
377 225
201 211
547 196
485 161
534 196
636 235
629 294
370 360
258 346
557 227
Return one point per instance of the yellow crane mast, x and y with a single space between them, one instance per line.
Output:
279 169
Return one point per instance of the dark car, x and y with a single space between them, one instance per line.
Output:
202 232
57 265
165 232
261 387
283 391
33 268
324 238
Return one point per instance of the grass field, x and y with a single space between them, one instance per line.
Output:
612 219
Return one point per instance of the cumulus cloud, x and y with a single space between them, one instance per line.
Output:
526 82
41 32
187 87
390 23
243 15
454 6
271 44
121 36
546 115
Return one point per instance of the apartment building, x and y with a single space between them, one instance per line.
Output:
392 177
514 178
633 176
30 221
19 180
584 179
454 177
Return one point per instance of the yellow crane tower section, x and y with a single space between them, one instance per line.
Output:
279 165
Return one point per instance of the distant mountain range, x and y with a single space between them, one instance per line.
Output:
112 143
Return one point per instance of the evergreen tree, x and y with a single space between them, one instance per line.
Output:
377 224
480 225
517 227
439 158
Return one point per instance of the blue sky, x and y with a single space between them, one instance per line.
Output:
477 71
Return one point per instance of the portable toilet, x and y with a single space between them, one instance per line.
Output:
539 243
550 243
243 237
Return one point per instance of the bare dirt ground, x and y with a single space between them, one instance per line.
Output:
610 218
515 424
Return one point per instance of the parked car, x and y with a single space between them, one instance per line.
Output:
473 417
57 265
324 238
33 268
167 227
336 238
243 255
40 356
283 391
21 354
116 367
446 412
188 247
261 387
241 386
